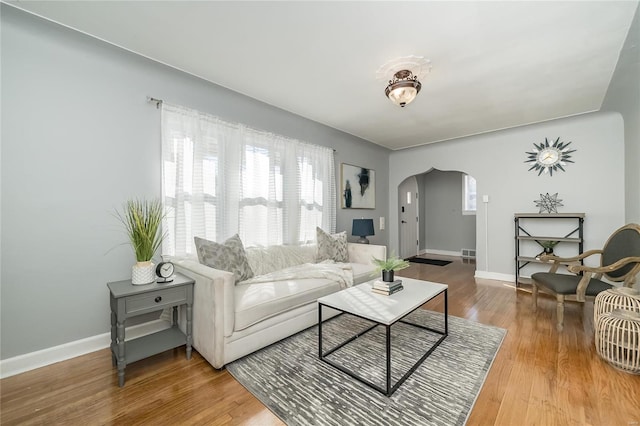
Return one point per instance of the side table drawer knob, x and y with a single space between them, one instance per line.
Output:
158 299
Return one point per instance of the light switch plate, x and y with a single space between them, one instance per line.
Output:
382 223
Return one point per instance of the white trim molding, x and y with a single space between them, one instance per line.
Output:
21 363
442 252
509 278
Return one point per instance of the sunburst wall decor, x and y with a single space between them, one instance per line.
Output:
548 158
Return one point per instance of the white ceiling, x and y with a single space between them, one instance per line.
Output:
495 65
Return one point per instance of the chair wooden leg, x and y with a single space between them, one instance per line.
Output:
560 311
534 294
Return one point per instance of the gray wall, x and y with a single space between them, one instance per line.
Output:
445 227
78 139
593 185
623 96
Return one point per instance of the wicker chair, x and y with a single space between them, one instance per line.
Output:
619 261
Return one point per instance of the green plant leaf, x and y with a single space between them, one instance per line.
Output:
142 220
548 244
392 263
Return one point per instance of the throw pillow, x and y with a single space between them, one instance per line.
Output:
332 246
228 256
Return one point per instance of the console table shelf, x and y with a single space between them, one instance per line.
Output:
537 260
142 347
559 239
575 235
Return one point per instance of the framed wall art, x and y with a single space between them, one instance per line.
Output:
357 187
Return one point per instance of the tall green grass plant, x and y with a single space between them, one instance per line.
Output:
142 220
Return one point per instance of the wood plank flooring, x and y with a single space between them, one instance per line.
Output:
539 377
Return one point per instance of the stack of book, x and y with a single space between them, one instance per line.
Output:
386 288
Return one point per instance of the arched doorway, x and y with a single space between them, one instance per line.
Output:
408 217
445 222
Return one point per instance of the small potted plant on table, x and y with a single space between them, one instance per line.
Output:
389 265
142 221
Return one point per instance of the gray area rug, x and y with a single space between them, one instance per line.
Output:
300 389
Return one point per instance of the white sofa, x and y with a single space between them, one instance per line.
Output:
231 320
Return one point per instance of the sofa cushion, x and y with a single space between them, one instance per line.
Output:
331 246
229 256
362 272
259 301
264 260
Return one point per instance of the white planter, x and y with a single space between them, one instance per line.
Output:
143 273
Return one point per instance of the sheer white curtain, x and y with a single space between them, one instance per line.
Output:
222 178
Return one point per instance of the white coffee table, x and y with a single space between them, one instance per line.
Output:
361 302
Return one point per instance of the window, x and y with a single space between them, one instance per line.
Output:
468 195
222 178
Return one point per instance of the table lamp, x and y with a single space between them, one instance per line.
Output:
362 228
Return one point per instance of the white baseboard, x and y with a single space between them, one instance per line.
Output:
21 363
495 276
442 252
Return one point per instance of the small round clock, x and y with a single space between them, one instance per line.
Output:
164 271
548 158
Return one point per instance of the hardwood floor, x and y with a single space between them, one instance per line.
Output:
539 377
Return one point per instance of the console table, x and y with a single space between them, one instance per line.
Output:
573 235
128 300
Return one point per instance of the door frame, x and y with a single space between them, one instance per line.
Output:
413 181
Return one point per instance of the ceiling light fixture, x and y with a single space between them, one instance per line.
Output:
403 75
403 88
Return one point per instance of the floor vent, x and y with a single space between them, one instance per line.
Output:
469 253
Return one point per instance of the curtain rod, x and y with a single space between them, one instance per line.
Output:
157 101
160 101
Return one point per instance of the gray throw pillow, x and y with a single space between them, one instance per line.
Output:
332 246
228 256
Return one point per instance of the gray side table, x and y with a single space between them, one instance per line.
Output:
128 300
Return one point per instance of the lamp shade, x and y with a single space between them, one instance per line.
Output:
362 228
403 94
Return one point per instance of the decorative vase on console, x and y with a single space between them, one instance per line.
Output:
547 247
142 221
143 273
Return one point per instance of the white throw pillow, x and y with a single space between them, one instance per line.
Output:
332 246
229 256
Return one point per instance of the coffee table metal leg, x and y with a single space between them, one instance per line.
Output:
320 330
388 327
446 312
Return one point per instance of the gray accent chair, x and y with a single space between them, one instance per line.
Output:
619 261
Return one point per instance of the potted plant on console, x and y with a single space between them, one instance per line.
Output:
389 265
142 220
547 247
